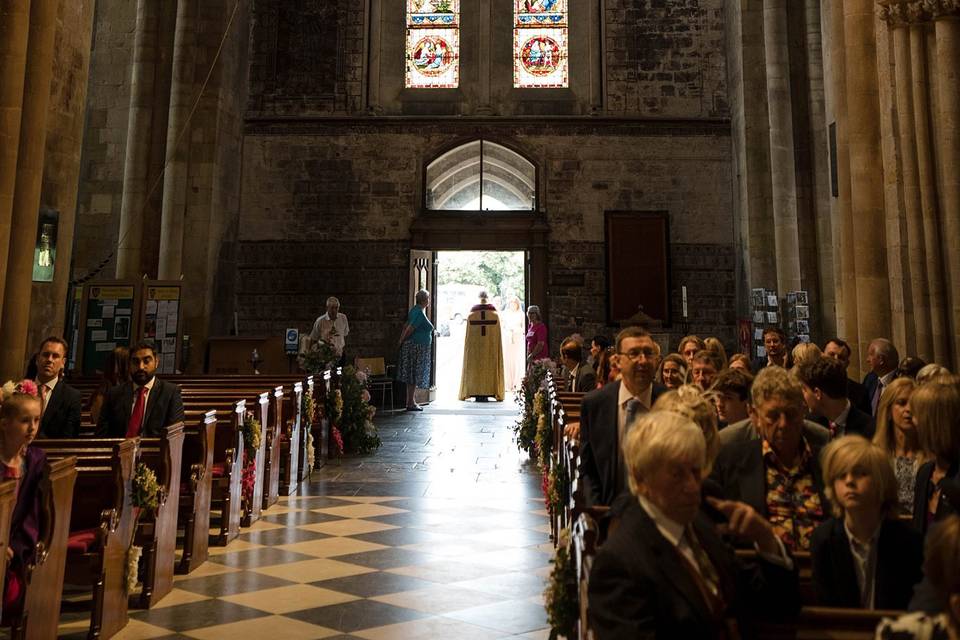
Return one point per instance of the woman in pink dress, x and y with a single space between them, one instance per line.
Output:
537 344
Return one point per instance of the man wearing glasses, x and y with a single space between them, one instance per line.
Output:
778 474
607 414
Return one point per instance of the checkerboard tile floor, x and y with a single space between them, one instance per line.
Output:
440 534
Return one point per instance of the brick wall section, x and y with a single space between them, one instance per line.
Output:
666 57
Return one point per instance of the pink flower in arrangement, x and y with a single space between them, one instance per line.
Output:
337 438
28 387
362 376
545 487
365 395
248 478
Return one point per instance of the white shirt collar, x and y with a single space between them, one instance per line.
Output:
149 385
887 379
868 543
51 384
671 529
842 418
645 397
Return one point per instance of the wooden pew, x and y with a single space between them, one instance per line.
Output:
196 485
101 527
272 428
8 497
157 531
40 615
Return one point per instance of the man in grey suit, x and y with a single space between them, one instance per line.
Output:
580 376
607 414
143 406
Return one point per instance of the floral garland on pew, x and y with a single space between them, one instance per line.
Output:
145 497
251 442
560 595
351 415
525 429
309 418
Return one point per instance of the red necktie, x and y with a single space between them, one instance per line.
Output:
136 418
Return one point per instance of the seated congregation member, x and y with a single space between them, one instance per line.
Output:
731 395
935 408
882 360
778 475
19 423
689 402
672 371
705 367
857 394
931 372
740 361
116 371
824 383
714 346
143 406
598 345
864 557
775 344
941 569
804 352
909 367
689 346
580 376
607 369
60 403
665 572
897 435
605 413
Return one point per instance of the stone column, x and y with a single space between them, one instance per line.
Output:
14 23
182 95
29 177
928 195
136 164
783 173
866 172
373 77
918 311
947 29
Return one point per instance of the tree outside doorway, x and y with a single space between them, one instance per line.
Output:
461 276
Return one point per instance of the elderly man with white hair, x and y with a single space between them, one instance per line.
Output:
665 572
332 327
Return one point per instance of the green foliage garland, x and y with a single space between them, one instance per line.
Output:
560 595
526 426
351 407
544 437
145 490
251 433
320 358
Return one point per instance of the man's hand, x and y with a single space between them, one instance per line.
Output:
572 431
743 521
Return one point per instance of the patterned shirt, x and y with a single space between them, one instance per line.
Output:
906 472
915 626
793 502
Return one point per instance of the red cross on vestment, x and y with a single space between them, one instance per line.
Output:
483 322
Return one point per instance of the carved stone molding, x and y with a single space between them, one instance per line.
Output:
942 8
901 13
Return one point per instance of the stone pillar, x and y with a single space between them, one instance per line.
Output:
29 177
866 172
917 309
928 196
182 95
14 23
783 173
373 77
947 30
136 164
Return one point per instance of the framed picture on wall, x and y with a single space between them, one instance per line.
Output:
638 265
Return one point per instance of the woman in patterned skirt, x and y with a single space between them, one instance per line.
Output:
415 343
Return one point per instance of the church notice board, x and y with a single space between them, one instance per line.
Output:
107 317
638 265
161 321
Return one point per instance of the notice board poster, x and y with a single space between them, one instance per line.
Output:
161 322
108 316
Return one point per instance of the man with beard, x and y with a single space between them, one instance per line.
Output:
143 406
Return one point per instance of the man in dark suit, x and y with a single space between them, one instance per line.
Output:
665 572
825 392
144 406
59 401
606 414
775 344
882 359
581 377
778 475
856 392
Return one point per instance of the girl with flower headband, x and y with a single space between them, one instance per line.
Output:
19 423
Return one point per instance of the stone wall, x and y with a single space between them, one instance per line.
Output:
327 210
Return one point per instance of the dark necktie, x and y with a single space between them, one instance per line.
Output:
136 418
876 396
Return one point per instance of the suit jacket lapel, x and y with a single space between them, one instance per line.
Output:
612 418
846 575
152 399
126 404
56 397
753 481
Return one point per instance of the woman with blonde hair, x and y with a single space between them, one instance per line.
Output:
930 372
689 401
715 346
864 556
935 408
740 361
805 352
897 435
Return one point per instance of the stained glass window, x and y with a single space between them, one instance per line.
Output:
433 44
540 43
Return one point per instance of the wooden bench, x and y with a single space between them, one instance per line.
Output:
101 528
8 497
291 443
40 615
196 485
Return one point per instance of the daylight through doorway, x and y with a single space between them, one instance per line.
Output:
461 276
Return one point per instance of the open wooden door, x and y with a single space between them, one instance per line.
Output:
423 269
